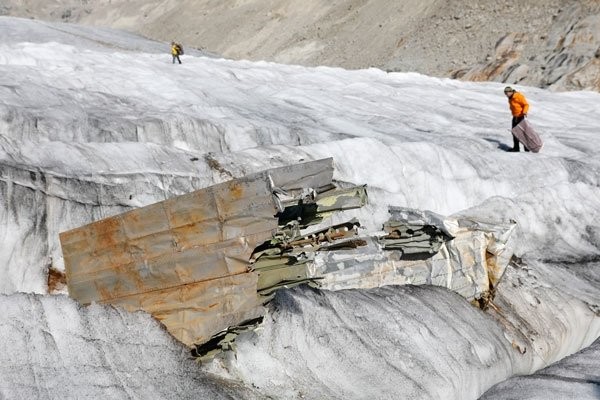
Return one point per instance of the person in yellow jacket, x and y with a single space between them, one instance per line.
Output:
518 108
175 52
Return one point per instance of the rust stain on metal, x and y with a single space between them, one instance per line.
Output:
103 292
236 190
495 271
104 232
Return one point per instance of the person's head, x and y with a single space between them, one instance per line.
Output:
508 91
172 43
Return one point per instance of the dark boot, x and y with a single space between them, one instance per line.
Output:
516 146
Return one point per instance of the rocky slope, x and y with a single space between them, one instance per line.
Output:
545 43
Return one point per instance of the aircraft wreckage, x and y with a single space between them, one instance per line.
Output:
206 263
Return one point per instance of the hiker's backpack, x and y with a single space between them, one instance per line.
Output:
179 48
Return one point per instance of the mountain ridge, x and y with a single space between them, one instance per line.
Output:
548 43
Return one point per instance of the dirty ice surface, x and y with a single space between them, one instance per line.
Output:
95 122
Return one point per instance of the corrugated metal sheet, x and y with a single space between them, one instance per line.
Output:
185 260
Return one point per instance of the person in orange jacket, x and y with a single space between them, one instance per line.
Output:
519 108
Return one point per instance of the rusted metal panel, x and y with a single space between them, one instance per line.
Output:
193 313
196 264
199 236
186 260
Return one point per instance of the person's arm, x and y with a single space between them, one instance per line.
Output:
524 104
